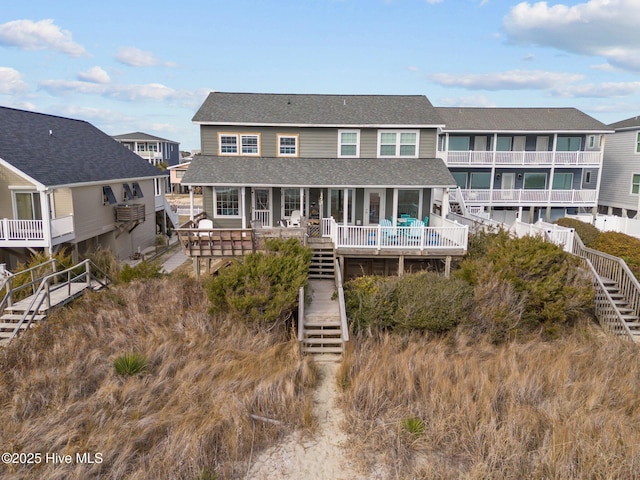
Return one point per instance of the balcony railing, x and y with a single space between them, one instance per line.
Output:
31 232
529 197
490 158
449 236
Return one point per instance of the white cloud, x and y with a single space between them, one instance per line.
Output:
510 80
11 81
94 75
134 57
413 69
127 93
607 28
598 90
471 101
41 35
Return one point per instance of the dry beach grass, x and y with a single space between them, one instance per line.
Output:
187 416
566 409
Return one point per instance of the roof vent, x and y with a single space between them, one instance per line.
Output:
51 133
344 102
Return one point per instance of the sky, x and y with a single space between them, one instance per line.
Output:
147 66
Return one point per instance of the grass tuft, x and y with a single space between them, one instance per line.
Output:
130 364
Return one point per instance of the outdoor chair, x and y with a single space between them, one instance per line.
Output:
294 220
389 234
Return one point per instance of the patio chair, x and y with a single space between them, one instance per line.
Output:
205 224
389 234
415 231
294 220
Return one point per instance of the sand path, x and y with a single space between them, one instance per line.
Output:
321 457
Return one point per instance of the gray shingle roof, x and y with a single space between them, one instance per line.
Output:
334 110
628 123
141 137
318 172
519 120
74 152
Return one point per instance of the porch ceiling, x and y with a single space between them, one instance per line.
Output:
318 172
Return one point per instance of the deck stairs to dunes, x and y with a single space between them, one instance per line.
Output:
621 303
51 288
322 328
324 258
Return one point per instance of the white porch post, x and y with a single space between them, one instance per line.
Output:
394 213
191 203
243 207
45 209
345 208
445 203
303 211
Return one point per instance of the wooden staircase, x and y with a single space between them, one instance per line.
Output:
322 330
53 290
324 258
629 316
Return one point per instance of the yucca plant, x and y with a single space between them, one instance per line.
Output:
130 364
413 426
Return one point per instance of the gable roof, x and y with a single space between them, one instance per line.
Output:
57 151
519 120
630 123
142 137
318 110
318 172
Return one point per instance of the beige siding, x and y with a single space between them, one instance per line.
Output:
93 219
428 142
63 202
619 165
8 178
368 143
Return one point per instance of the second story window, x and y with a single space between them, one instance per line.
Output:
348 143
287 145
398 144
239 144
638 143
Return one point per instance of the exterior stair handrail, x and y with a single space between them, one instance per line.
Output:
43 292
344 327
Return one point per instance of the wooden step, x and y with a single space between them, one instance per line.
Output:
15 317
328 350
331 331
321 322
322 341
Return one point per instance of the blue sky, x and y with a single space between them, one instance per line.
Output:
147 66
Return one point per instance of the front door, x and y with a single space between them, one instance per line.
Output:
508 183
374 200
261 207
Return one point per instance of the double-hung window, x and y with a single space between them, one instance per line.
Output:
635 184
239 143
400 143
287 145
349 143
638 143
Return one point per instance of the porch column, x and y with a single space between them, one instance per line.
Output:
191 203
45 209
345 208
445 203
303 211
394 213
243 208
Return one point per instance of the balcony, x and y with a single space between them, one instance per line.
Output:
507 159
520 197
31 233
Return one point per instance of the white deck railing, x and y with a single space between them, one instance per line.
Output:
527 197
477 157
447 235
26 230
551 232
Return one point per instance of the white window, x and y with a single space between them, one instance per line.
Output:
228 144
287 145
592 141
635 184
401 143
291 201
638 143
227 201
348 143
239 143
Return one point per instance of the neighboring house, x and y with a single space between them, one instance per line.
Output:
155 150
176 173
620 188
347 162
525 163
64 183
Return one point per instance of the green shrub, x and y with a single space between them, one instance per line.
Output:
144 270
588 233
130 364
424 301
533 282
623 246
263 287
